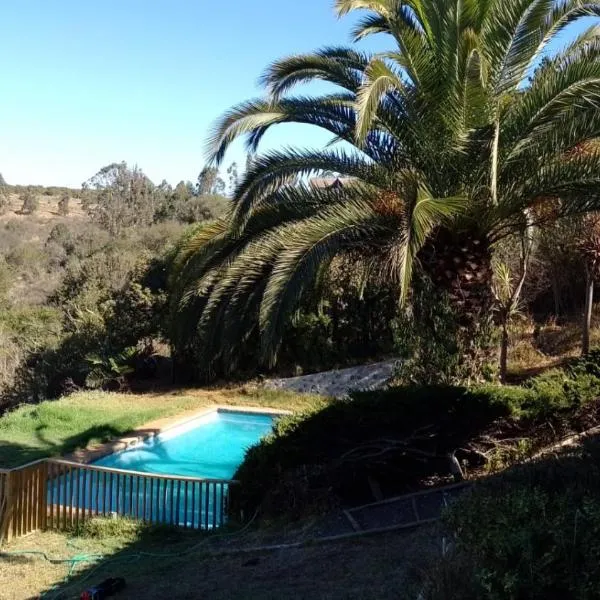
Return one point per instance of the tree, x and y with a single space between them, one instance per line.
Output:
589 248
63 205
121 197
209 182
206 180
449 146
30 200
232 174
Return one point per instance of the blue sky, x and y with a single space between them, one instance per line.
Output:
89 82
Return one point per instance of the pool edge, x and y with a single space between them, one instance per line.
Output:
153 428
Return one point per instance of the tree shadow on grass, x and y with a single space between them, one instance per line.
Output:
152 559
364 568
13 454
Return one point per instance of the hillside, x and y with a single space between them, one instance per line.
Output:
61 274
47 213
25 259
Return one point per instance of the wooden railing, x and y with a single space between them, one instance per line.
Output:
58 494
4 475
23 509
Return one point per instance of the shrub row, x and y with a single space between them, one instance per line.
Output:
399 437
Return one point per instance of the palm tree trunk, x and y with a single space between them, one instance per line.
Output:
459 266
587 313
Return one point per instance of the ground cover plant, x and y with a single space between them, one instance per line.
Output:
531 532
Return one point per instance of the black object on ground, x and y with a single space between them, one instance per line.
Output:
109 587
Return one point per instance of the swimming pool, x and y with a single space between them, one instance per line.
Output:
211 446
179 477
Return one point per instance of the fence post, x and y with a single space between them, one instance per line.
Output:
7 513
43 496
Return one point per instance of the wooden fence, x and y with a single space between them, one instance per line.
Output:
59 494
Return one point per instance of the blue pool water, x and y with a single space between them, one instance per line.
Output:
209 448
212 446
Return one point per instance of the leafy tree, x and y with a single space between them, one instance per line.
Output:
201 208
232 174
207 180
123 197
449 144
63 205
30 200
183 192
588 245
62 236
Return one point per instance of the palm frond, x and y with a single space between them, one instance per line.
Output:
306 247
271 171
339 66
379 80
425 123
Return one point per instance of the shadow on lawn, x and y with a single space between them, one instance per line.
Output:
369 568
13 455
152 565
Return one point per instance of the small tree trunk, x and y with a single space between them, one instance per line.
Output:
587 313
556 295
504 352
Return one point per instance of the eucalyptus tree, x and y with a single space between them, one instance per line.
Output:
448 142
120 197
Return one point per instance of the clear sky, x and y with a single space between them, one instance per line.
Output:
90 82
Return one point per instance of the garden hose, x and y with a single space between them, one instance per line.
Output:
80 559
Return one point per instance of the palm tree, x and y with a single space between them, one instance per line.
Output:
448 141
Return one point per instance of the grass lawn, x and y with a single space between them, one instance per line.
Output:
165 564
61 426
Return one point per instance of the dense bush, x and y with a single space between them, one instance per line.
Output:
107 296
330 454
401 437
433 346
533 532
102 326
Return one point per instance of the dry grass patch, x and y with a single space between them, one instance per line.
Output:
535 348
184 566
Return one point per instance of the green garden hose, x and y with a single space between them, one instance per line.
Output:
80 559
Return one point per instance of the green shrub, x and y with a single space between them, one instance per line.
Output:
329 454
563 391
401 436
533 532
435 348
